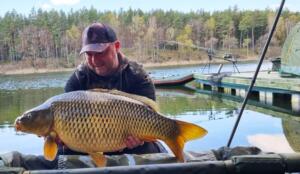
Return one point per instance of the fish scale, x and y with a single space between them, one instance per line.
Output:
98 139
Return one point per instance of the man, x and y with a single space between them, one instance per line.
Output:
106 67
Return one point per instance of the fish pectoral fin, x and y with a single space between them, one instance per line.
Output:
99 159
50 148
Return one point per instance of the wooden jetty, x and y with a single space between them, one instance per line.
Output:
266 80
269 86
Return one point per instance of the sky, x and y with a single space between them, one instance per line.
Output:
25 6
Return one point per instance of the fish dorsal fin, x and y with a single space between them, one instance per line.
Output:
152 104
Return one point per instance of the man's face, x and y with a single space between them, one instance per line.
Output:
104 63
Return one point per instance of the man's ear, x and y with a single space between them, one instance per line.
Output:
117 45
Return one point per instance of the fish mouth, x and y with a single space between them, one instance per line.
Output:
18 125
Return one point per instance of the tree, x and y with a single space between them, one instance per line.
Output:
138 31
184 38
246 43
72 42
198 29
253 23
150 38
210 29
11 24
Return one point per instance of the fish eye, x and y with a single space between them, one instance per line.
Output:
29 115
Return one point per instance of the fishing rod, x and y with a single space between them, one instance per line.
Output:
256 72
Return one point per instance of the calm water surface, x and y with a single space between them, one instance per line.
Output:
259 127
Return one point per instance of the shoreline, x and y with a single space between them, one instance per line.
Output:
25 71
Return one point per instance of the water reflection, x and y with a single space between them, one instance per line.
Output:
33 81
182 101
15 102
266 143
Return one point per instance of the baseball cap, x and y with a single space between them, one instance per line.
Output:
97 37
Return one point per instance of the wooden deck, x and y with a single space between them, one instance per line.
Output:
269 87
266 81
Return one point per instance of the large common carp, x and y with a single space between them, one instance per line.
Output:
100 120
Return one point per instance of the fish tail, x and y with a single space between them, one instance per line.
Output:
187 131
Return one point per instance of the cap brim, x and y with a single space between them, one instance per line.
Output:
99 47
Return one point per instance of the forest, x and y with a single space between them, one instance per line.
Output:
53 38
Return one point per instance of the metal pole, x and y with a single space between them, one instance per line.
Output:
256 72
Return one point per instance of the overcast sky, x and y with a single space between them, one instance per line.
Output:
24 6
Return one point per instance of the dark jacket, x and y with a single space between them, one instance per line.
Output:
130 78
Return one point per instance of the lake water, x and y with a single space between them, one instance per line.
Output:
258 127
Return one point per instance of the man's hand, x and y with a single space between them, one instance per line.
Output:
133 142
